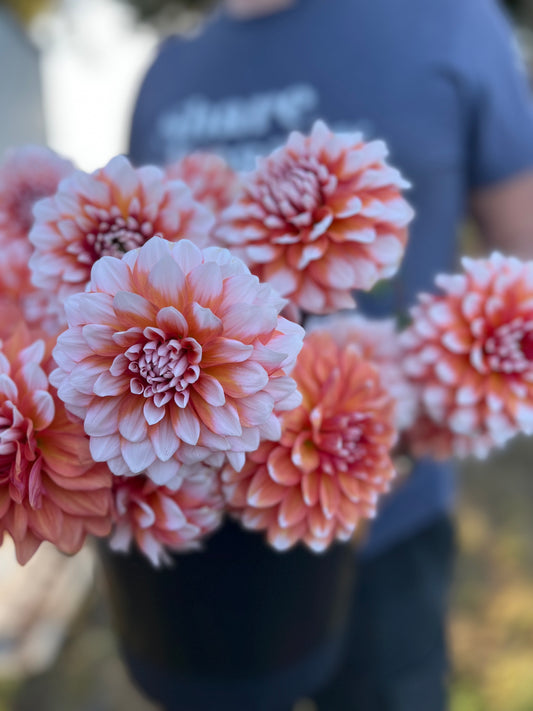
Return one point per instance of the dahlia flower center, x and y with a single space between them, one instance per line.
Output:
510 348
339 442
163 368
293 189
19 461
114 235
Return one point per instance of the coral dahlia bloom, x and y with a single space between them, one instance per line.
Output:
210 178
377 341
160 520
50 488
333 459
173 354
319 217
27 175
107 213
469 351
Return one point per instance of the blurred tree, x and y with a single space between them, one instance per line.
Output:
26 10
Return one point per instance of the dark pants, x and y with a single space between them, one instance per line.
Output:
396 659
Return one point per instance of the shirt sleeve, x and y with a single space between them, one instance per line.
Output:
500 105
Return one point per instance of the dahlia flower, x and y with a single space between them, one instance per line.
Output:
333 458
27 175
160 520
319 217
469 352
107 213
211 180
377 341
50 488
174 354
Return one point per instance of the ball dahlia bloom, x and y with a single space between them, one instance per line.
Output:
27 175
161 521
469 352
333 459
50 488
377 341
107 213
320 217
174 354
211 180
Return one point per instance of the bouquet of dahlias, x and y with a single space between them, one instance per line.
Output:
154 373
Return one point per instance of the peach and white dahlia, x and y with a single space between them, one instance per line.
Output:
160 520
469 352
319 217
333 459
107 213
211 180
27 175
377 341
50 488
175 354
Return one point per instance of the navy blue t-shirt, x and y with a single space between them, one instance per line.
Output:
441 81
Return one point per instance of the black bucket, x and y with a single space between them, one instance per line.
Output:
235 627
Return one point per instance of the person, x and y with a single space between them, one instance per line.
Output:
443 84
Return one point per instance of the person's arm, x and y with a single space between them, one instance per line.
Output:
504 215
499 137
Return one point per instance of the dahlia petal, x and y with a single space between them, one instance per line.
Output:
225 350
329 497
98 337
110 385
71 347
292 509
245 322
281 469
164 440
304 454
81 309
172 322
205 283
210 390
102 417
203 322
26 547
133 310
186 254
255 409
241 379
310 487
284 538
109 275
165 473
138 455
236 460
47 521
223 420
8 388
263 492
186 424
152 413
166 283
42 409
131 421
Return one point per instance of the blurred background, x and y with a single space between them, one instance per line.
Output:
78 67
